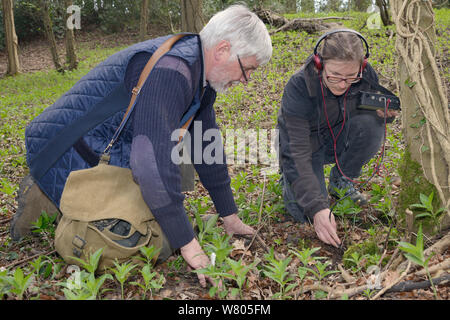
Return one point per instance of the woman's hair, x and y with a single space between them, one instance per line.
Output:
246 33
344 46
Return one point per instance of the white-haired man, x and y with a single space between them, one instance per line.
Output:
229 48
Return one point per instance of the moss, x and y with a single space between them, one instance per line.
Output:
413 183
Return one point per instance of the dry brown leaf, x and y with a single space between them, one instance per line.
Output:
390 278
239 244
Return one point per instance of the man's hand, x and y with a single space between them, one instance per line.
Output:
234 225
196 259
326 229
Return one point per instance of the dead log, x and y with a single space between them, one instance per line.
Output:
413 285
310 25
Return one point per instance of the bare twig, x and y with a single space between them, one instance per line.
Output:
19 262
5 220
334 294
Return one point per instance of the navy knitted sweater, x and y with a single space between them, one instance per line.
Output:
164 98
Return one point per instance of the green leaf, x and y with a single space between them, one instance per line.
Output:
410 83
424 149
424 199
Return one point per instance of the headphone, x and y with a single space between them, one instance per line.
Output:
318 59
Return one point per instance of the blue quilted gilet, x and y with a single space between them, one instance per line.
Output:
93 109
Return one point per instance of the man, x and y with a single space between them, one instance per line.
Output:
320 122
229 48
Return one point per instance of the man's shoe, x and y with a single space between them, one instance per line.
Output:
342 183
31 202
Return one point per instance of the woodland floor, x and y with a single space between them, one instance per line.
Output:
181 284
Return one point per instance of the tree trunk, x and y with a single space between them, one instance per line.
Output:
291 6
144 21
12 44
425 113
361 5
71 56
307 6
50 36
191 16
384 12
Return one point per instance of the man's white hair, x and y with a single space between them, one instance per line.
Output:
246 33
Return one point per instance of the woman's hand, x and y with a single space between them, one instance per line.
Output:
326 228
390 113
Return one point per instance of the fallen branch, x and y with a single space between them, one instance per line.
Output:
437 248
440 246
310 25
444 265
333 293
19 262
412 285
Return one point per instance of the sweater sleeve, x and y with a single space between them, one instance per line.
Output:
305 184
209 159
163 99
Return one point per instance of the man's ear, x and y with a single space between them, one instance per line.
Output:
222 51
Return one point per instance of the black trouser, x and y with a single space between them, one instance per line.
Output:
354 149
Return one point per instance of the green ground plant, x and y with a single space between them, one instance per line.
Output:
277 270
415 253
427 210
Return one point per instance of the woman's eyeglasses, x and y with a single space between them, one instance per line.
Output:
333 79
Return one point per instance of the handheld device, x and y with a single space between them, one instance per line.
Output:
374 101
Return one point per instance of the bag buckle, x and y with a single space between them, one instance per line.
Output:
136 91
78 242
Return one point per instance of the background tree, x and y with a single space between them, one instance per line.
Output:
143 25
360 5
425 112
48 26
191 16
384 11
334 5
291 6
307 5
12 44
71 56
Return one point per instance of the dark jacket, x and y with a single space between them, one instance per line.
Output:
303 128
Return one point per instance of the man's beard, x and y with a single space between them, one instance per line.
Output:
221 87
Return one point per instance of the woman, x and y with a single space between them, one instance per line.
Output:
320 123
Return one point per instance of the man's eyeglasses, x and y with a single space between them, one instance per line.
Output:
242 69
